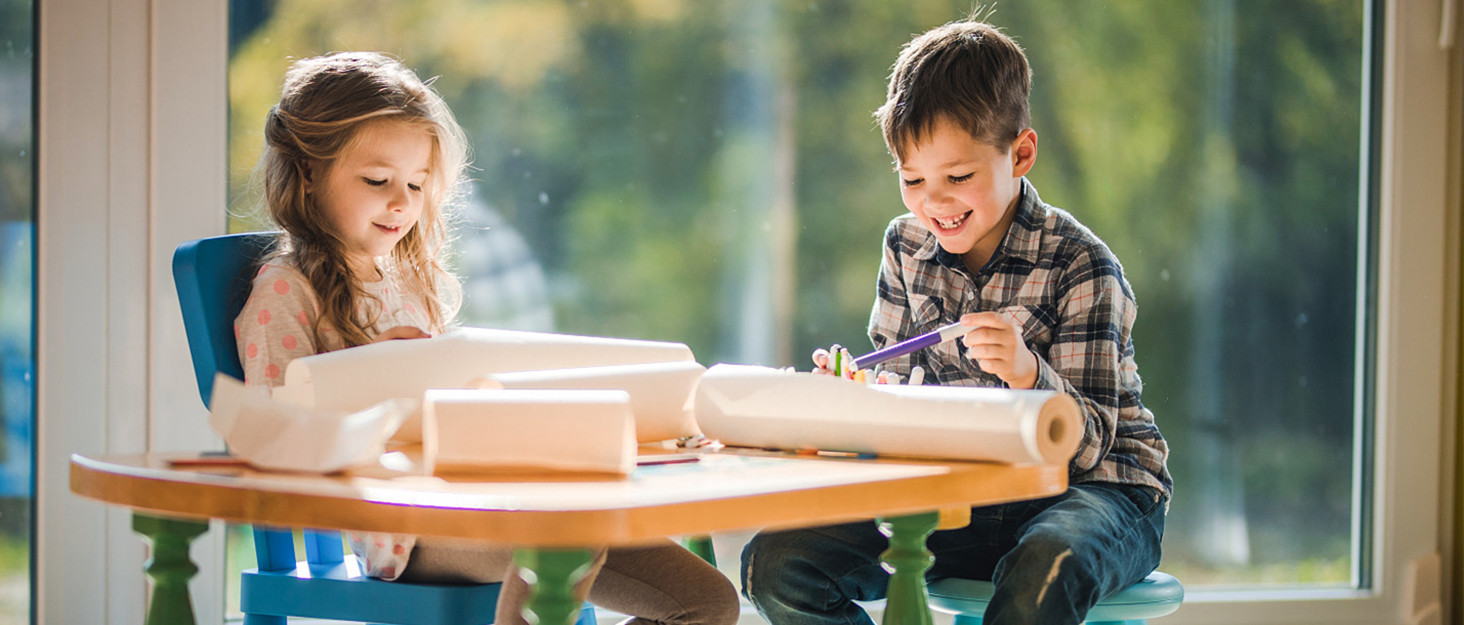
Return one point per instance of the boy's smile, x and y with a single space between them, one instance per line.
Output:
963 190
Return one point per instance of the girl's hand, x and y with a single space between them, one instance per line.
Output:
995 342
401 332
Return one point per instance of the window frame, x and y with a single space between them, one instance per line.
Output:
162 94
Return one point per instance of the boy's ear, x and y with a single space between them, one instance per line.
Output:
1024 152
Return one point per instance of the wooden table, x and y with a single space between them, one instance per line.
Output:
547 516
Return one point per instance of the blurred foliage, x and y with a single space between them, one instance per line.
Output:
640 147
17 323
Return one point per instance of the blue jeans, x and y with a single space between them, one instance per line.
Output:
1051 559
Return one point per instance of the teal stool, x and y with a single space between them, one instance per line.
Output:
1157 595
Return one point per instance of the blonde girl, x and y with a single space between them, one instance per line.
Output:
361 157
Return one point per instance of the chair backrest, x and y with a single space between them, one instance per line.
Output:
213 278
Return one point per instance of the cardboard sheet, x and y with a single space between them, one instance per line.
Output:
352 379
772 408
466 431
660 392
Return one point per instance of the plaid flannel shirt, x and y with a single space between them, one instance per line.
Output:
1067 291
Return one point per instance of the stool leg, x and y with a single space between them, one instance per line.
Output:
1135 621
966 619
261 619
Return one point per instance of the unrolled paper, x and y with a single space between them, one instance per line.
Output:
770 408
352 379
660 392
470 430
274 435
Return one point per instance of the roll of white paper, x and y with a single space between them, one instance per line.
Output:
660 392
351 379
771 408
470 430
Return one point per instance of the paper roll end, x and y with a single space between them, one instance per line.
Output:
1059 429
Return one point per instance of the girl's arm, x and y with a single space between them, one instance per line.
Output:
275 325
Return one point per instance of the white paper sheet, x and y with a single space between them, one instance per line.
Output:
771 408
660 392
355 378
279 436
469 430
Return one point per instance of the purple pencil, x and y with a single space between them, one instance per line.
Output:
934 337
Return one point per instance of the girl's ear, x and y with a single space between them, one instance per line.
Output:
307 176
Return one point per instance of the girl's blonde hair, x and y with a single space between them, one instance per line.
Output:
325 102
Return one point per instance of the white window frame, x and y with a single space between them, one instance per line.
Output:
133 160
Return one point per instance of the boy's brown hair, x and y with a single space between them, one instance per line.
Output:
966 71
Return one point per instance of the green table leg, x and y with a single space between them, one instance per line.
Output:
907 559
169 567
702 547
551 575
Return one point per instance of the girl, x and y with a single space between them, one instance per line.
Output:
360 158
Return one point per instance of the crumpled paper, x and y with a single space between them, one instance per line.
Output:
275 435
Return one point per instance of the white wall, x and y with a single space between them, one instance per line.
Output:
131 147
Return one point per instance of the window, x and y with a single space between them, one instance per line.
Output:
17 289
711 174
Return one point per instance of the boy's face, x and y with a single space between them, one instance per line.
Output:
963 190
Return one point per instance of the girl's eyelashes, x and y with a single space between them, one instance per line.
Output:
910 183
376 183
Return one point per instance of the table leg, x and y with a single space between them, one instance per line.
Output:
551 575
169 567
907 559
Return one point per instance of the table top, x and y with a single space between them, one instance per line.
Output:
719 491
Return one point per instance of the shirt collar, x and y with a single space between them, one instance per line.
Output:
1022 240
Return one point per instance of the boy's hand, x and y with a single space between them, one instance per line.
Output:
401 332
995 342
823 362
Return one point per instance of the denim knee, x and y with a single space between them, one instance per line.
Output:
812 577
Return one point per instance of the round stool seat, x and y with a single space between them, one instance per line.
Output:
1157 595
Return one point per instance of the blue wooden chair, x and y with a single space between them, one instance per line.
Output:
1157 595
213 277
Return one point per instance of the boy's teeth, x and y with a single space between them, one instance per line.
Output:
950 223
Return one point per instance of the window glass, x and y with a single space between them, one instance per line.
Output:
710 173
17 305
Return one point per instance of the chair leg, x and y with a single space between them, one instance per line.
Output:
263 619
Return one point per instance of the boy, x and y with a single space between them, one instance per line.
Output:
1048 307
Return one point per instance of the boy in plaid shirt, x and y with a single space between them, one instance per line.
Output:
1048 308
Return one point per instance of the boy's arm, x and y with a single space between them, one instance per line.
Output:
1091 355
890 320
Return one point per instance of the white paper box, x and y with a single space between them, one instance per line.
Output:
470 430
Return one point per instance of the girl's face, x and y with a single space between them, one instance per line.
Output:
963 190
373 193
